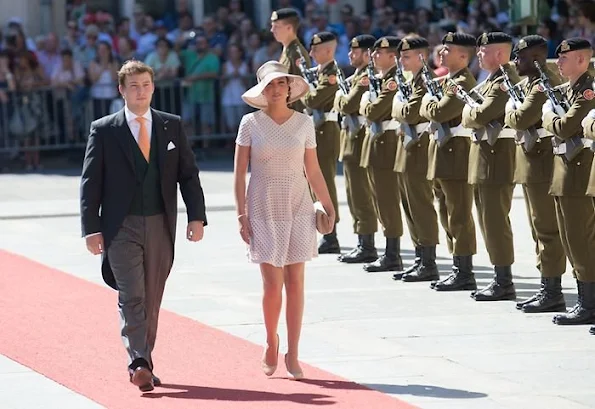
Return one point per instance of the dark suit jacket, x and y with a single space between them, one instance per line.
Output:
108 179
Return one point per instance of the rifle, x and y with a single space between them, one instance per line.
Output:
310 77
441 132
374 88
516 94
410 135
493 128
349 122
574 145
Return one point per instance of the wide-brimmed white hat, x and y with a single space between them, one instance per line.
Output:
269 71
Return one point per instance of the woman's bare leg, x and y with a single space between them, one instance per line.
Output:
272 300
294 288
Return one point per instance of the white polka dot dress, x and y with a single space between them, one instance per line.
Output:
278 203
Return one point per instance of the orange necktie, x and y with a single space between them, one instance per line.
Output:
143 138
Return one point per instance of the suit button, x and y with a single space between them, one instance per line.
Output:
492 151
538 151
450 149
578 163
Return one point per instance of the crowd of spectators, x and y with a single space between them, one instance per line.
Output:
51 87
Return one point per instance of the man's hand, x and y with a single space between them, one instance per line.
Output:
95 243
195 231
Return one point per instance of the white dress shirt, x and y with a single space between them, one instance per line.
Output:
134 125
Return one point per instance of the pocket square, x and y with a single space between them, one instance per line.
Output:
170 146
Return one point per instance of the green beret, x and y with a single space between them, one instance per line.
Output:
283 14
460 39
573 44
322 37
363 41
496 37
387 42
413 43
529 42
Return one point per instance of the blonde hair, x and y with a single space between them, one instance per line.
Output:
134 67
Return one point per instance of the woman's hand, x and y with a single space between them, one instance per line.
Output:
245 230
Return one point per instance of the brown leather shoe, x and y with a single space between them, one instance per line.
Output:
143 378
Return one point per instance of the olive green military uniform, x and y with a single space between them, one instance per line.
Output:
575 210
589 132
378 156
448 167
416 190
327 132
357 181
491 170
290 57
534 171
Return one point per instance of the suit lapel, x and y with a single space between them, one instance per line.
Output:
124 137
160 132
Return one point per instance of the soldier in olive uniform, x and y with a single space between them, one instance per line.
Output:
360 197
492 163
448 162
320 102
534 166
575 210
285 24
379 150
589 131
412 161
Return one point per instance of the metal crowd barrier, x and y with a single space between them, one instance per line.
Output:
50 119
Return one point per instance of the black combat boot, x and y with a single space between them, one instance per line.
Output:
411 268
584 310
365 252
329 243
501 288
390 260
427 270
461 278
548 299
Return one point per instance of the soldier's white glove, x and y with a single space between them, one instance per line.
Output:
590 115
510 106
547 107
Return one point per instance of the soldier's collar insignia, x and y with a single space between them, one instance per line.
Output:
449 38
316 39
522 44
564 46
384 43
484 38
274 16
405 45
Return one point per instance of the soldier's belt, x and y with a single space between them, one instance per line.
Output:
391 125
460 131
504 134
421 128
331 117
562 147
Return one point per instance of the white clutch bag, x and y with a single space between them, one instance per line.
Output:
323 221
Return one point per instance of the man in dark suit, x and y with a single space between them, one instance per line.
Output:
134 161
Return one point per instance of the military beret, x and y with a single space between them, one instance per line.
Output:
387 42
363 41
413 43
460 39
496 37
322 37
283 14
573 44
529 42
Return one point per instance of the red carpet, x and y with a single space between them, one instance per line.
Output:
67 329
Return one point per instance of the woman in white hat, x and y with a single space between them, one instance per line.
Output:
276 214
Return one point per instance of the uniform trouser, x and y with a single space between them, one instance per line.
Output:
493 202
328 147
417 200
455 204
360 197
576 223
541 211
141 256
385 184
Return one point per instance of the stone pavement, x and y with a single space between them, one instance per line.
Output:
434 350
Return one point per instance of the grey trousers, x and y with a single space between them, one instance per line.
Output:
141 257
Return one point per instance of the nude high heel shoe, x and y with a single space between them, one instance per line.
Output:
266 368
293 374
